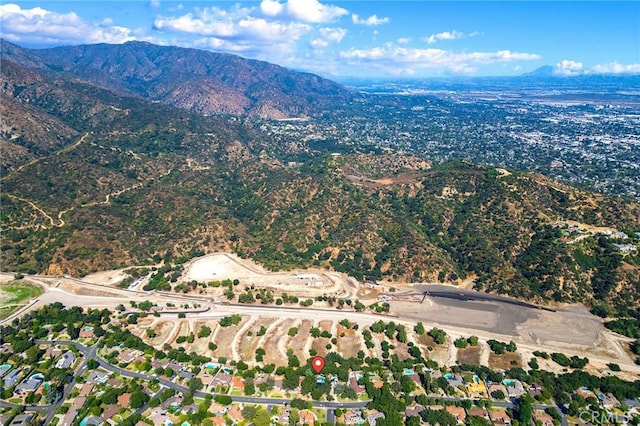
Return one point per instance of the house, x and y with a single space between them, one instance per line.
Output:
6 348
78 403
173 402
353 384
190 409
114 383
92 421
476 389
100 377
86 332
52 352
217 409
110 412
218 421
128 355
235 414
186 374
498 387
4 370
237 382
413 410
353 417
374 417
608 400
585 393
68 418
205 377
159 417
542 417
307 417
22 419
86 389
499 416
478 412
124 400
535 390
12 378
29 385
457 412
454 380
66 360
514 387
222 379
632 404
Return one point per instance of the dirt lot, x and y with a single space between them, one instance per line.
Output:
224 339
504 361
220 266
274 354
247 345
298 343
350 343
469 355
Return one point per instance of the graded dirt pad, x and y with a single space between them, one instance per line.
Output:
350 343
376 339
271 344
458 307
225 336
426 340
107 278
439 353
569 326
303 283
469 355
320 344
325 326
298 342
504 361
201 344
246 344
402 350
163 329
78 289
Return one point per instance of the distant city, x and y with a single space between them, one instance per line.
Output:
584 131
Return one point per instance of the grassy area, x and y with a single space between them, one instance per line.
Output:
15 293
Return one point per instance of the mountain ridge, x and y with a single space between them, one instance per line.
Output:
196 80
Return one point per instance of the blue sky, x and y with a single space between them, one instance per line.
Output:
356 38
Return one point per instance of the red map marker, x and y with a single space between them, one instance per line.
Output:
317 364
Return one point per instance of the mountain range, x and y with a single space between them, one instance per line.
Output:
134 154
198 81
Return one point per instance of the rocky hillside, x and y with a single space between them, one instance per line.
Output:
199 81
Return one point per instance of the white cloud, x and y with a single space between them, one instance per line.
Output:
371 21
327 36
449 35
314 12
396 59
235 25
40 26
154 4
568 68
616 68
271 8
404 40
